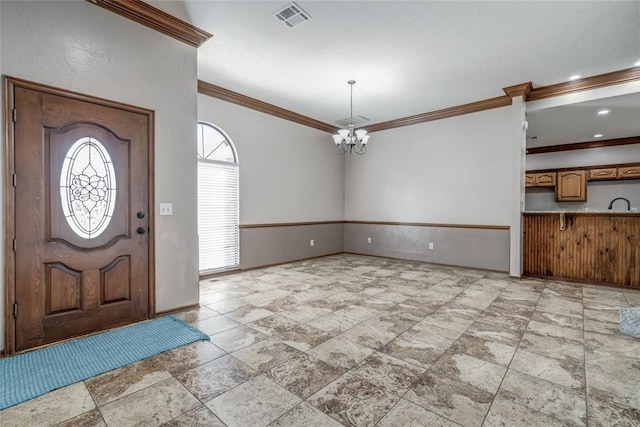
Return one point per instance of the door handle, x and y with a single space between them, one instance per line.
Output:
141 230
140 214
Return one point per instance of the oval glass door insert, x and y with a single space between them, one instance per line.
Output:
88 187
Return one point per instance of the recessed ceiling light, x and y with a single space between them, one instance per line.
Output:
575 77
597 135
603 112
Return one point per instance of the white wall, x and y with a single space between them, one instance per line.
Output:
451 171
81 47
288 172
599 193
458 171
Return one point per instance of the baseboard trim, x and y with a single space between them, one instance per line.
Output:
432 263
256 267
577 281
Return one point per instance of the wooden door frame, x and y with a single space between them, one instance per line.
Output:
9 84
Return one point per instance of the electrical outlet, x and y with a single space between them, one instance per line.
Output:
430 245
368 239
312 242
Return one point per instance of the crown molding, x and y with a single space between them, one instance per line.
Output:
522 89
473 107
584 145
526 90
593 82
264 107
154 18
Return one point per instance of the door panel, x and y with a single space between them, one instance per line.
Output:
63 289
115 280
82 175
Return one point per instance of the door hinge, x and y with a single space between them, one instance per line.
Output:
15 310
15 180
15 115
15 244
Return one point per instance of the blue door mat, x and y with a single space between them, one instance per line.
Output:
630 321
33 374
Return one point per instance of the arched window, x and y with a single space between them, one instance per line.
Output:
218 217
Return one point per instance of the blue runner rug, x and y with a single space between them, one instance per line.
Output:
630 321
29 375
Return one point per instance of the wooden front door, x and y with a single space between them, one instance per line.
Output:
81 217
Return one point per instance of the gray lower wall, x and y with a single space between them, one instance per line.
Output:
466 247
275 245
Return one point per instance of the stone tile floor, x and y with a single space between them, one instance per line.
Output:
362 341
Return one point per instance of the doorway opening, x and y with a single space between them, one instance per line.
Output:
79 255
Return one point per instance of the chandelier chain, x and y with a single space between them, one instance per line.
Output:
351 82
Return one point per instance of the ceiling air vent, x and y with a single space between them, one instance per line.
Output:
292 15
357 120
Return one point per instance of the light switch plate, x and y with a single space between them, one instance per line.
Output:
166 209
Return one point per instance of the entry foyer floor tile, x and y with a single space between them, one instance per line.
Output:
365 341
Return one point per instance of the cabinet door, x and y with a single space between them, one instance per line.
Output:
629 172
547 179
606 173
529 180
572 186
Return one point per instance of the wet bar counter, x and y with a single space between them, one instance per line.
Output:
597 246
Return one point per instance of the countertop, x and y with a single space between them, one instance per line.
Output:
603 211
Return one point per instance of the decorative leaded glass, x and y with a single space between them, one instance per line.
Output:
88 187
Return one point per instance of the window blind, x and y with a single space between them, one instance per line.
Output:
217 216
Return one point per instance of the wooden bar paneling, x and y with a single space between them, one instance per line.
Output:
598 248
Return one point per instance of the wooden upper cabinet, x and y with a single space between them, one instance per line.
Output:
547 179
543 179
529 180
629 172
571 186
604 173
623 172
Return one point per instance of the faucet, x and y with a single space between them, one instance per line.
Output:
620 198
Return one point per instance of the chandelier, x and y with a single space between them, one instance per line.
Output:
351 139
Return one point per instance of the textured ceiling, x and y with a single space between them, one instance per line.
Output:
407 57
579 122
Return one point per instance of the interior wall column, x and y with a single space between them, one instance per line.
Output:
517 178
